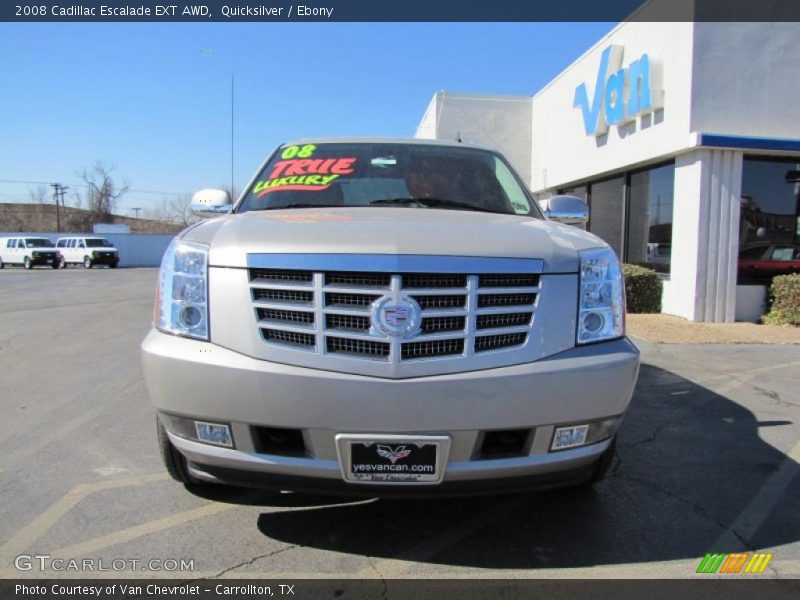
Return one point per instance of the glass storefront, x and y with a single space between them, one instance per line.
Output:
769 227
633 214
650 217
606 214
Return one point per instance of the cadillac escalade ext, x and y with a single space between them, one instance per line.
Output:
388 317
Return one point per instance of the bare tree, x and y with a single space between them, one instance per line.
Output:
102 192
173 210
41 195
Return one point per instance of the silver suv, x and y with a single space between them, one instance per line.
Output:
388 317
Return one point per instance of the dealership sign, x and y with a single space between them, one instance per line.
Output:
620 94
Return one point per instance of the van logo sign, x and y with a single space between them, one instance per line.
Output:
620 94
396 316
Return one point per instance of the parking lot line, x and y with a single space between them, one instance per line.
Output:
137 531
38 526
760 506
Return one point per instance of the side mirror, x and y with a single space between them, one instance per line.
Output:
210 203
570 210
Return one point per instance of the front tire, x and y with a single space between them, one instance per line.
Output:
113 265
27 263
174 461
2 264
87 262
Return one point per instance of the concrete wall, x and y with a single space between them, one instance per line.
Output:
500 122
563 152
135 249
746 79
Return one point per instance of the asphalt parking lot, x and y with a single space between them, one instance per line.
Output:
707 462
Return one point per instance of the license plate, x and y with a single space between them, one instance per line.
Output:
389 459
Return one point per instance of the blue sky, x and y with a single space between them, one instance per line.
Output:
154 99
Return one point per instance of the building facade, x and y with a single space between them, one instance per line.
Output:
683 138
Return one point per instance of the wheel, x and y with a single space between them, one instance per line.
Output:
87 262
62 264
174 461
28 264
1 263
56 265
113 265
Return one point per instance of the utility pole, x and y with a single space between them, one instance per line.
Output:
56 195
136 210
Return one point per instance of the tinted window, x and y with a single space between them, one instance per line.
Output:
783 253
754 253
101 243
11 244
606 214
38 243
650 219
378 174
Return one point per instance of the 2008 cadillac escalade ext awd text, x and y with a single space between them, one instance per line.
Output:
388 317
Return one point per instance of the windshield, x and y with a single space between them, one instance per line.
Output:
415 176
102 243
38 243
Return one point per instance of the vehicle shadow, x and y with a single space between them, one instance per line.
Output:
688 463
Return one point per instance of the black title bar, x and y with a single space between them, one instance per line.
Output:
398 11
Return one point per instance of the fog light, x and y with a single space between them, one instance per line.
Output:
593 322
191 317
584 435
214 433
569 437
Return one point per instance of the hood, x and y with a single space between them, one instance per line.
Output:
371 230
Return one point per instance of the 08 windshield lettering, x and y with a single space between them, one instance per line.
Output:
366 174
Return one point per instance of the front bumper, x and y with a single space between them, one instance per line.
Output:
44 260
207 382
111 259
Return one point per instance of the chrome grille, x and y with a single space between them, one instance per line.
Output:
283 296
485 300
292 338
433 280
350 300
280 276
415 350
504 280
494 342
439 324
441 302
285 316
357 279
327 312
362 347
347 322
493 321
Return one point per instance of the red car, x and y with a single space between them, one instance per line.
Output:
765 261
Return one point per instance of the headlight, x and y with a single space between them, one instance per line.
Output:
182 297
601 309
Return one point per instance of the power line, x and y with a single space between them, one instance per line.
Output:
83 185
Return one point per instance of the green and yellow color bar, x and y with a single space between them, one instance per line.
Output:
737 562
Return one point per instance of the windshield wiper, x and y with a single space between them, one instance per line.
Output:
296 205
395 201
435 203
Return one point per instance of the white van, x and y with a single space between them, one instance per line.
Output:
88 251
28 252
